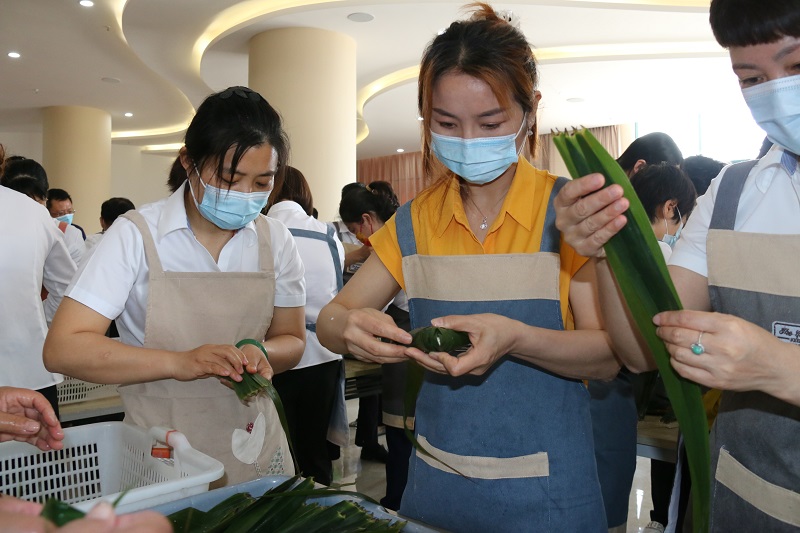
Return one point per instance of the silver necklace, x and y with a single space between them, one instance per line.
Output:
485 221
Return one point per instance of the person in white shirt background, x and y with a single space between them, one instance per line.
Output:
186 279
59 203
314 389
32 256
109 211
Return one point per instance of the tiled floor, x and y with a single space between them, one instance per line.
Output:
368 477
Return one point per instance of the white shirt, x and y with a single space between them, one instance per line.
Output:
320 274
74 241
770 203
344 234
113 281
32 254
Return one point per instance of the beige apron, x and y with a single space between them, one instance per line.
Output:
186 310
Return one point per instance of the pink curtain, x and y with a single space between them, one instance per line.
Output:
404 171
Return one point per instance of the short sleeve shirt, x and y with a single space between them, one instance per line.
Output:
113 281
441 227
770 203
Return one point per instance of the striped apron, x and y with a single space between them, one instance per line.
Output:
522 435
755 454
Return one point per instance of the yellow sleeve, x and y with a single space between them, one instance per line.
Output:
385 245
571 262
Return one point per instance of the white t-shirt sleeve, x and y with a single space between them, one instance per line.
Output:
290 285
104 281
59 269
690 250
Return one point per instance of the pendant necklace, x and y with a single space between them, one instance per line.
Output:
485 221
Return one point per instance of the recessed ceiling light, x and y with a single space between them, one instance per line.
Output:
576 100
109 79
420 119
360 17
86 3
129 114
400 150
14 55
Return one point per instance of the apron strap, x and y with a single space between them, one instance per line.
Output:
405 230
726 203
551 237
327 237
150 252
265 260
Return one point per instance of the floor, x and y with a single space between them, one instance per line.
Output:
368 477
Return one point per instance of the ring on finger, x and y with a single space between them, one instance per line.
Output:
697 347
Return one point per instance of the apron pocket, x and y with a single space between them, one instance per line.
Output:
477 467
775 501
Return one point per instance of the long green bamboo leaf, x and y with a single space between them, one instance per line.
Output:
643 278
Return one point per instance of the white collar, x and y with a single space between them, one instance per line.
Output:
779 161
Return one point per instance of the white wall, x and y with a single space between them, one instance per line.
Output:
140 177
25 144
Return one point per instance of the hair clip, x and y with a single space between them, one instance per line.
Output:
510 17
244 92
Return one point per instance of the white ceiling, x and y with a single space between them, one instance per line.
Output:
670 64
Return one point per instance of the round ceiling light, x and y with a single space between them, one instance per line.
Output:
109 79
14 55
360 17
128 114
576 100
86 3
400 150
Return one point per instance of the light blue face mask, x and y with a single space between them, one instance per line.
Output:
227 209
66 218
775 105
668 239
480 160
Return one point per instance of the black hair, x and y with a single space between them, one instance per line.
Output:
380 201
16 166
701 170
28 186
654 148
57 195
384 188
659 183
113 208
751 22
292 185
351 187
237 118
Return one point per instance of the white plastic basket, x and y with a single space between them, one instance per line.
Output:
99 461
73 390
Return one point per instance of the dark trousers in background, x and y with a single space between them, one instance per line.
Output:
51 393
308 395
396 467
369 416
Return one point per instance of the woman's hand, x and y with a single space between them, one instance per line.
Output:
492 336
737 355
363 331
257 363
209 360
588 215
27 416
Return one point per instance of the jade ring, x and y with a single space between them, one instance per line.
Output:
697 347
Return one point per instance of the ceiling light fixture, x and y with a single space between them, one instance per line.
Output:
86 3
400 150
575 100
109 79
128 114
420 119
14 55
360 17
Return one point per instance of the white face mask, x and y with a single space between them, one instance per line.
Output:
775 106
668 239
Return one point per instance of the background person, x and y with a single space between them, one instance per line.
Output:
314 389
188 277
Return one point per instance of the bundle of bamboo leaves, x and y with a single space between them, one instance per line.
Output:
642 275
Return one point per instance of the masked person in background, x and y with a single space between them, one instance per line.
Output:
187 278
734 270
478 251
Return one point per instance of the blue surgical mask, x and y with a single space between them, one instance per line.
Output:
66 218
480 160
668 239
775 105
227 209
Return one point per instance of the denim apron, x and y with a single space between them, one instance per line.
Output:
186 310
521 435
339 429
755 456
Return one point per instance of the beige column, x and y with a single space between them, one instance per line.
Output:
309 76
76 153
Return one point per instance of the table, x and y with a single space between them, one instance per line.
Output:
361 378
657 440
73 412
